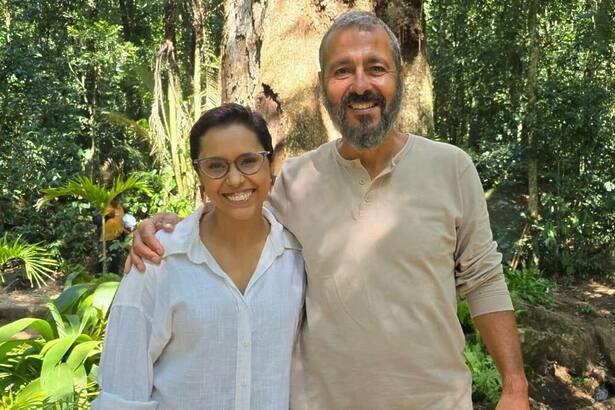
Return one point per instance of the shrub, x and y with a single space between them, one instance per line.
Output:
59 367
529 285
485 377
36 262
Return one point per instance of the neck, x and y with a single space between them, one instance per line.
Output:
231 231
376 159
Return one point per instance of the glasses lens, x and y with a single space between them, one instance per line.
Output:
214 167
249 163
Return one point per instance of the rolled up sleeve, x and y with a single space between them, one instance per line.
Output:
112 401
478 265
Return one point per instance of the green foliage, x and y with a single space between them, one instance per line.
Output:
480 54
58 368
465 317
529 285
486 381
98 196
36 260
576 236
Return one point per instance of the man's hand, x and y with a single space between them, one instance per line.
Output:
145 245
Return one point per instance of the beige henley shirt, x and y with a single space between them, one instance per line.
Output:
386 261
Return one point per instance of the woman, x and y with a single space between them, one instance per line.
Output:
212 326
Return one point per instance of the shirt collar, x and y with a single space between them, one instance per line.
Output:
356 163
185 238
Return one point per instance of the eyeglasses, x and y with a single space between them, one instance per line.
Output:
216 168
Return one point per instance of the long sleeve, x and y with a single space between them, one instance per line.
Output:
478 264
126 369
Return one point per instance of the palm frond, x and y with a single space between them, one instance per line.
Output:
80 187
94 193
137 180
122 120
37 261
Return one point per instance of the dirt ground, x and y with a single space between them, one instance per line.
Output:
577 367
19 300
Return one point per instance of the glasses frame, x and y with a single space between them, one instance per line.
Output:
197 164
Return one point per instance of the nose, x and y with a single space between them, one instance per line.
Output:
234 177
361 81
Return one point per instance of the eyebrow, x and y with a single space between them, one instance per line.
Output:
339 62
370 60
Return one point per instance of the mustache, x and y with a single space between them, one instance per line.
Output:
366 97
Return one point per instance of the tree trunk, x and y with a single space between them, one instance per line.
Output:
198 31
104 246
532 87
270 62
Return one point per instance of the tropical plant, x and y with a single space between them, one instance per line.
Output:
36 261
59 367
173 115
98 196
485 377
529 285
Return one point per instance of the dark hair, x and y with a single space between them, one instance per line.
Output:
362 20
229 114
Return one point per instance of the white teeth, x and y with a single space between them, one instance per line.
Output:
362 106
239 196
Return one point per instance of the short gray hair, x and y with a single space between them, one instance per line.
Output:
362 20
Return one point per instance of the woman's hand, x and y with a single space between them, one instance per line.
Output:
145 245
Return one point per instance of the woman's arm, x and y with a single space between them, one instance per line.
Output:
126 367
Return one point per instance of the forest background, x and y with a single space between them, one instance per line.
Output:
107 90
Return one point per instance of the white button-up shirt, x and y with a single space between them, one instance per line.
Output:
182 336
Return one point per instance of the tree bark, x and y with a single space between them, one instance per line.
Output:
532 78
532 146
270 62
198 31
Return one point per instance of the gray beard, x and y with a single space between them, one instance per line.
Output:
364 136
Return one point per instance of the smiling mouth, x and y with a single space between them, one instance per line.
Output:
239 197
362 105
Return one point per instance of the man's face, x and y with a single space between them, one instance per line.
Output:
361 85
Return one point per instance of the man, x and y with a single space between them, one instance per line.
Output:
394 227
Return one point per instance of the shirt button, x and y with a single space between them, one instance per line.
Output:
246 343
362 182
367 199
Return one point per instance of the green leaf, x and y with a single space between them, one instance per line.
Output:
71 296
57 318
30 397
80 378
37 262
90 316
40 325
81 352
10 345
58 381
103 296
54 355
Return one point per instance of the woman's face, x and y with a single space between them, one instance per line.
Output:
236 195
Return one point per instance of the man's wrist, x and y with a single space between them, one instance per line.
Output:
514 384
